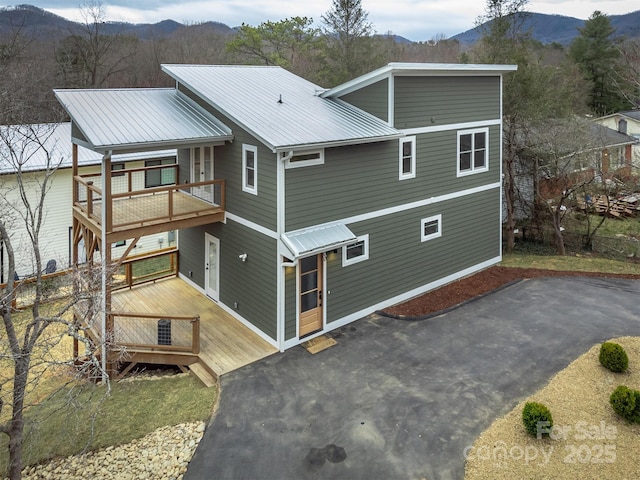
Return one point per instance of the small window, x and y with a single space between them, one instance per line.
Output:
115 167
121 243
355 252
407 157
304 159
473 152
161 176
430 228
250 169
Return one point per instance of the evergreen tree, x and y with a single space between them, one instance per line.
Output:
597 55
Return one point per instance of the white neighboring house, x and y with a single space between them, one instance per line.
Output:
53 143
627 123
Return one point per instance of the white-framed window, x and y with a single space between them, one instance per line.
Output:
304 159
430 228
407 157
250 168
357 251
473 151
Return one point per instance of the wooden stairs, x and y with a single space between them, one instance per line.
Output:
206 375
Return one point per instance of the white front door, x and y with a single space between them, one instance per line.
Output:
212 267
202 171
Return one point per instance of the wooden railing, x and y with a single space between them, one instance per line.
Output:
55 286
156 332
147 267
145 205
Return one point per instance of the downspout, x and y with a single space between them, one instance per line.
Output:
280 229
106 159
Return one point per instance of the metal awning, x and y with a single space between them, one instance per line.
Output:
308 241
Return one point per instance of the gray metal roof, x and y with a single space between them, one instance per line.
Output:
321 238
40 145
608 137
280 108
139 118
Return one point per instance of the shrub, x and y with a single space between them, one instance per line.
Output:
626 403
537 419
613 357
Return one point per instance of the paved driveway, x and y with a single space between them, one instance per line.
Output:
397 399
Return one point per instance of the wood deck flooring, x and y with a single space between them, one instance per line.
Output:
225 343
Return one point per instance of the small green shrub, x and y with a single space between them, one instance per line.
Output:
613 357
626 403
537 419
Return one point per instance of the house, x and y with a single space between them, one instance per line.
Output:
46 146
322 205
626 123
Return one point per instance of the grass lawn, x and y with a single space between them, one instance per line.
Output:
82 417
569 263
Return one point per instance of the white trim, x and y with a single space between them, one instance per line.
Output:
341 322
360 258
412 171
233 313
452 126
500 153
253 189
420 203
289 161
435 218
253 226
472 170
280 276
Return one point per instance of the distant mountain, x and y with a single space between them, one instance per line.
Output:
560 29
41 24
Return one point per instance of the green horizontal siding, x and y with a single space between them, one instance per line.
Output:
372 98
433 101
290 305
251 284
363 178
398 260
261 208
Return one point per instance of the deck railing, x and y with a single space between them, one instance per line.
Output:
55 286
156 332
141 205
146 267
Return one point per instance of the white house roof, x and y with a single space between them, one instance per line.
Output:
320 238
41 144
139 118
427 69
279 108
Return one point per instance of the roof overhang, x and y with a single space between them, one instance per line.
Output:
317 239
421 69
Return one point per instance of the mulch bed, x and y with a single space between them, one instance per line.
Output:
478 284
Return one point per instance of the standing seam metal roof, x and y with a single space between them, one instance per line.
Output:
278 107
119 119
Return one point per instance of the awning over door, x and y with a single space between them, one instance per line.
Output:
308 241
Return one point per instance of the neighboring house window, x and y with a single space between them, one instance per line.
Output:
430 228
121 243
357 251
407 157
250 169
473 151
161 176
115 167
304 159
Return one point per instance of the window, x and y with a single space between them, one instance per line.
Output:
161 176
250 169
116 167
430 228
304 159
121 243
473 152
357 251
407 157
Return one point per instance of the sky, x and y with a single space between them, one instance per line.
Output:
417 20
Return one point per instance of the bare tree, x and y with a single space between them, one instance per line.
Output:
28 339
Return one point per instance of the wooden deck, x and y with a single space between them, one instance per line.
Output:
225 343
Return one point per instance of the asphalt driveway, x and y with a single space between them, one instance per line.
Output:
401 399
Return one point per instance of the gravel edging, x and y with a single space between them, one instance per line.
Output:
163 454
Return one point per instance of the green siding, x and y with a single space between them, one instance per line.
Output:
363 178
398 260
251 284
433 101
261 208
372 98
290 305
